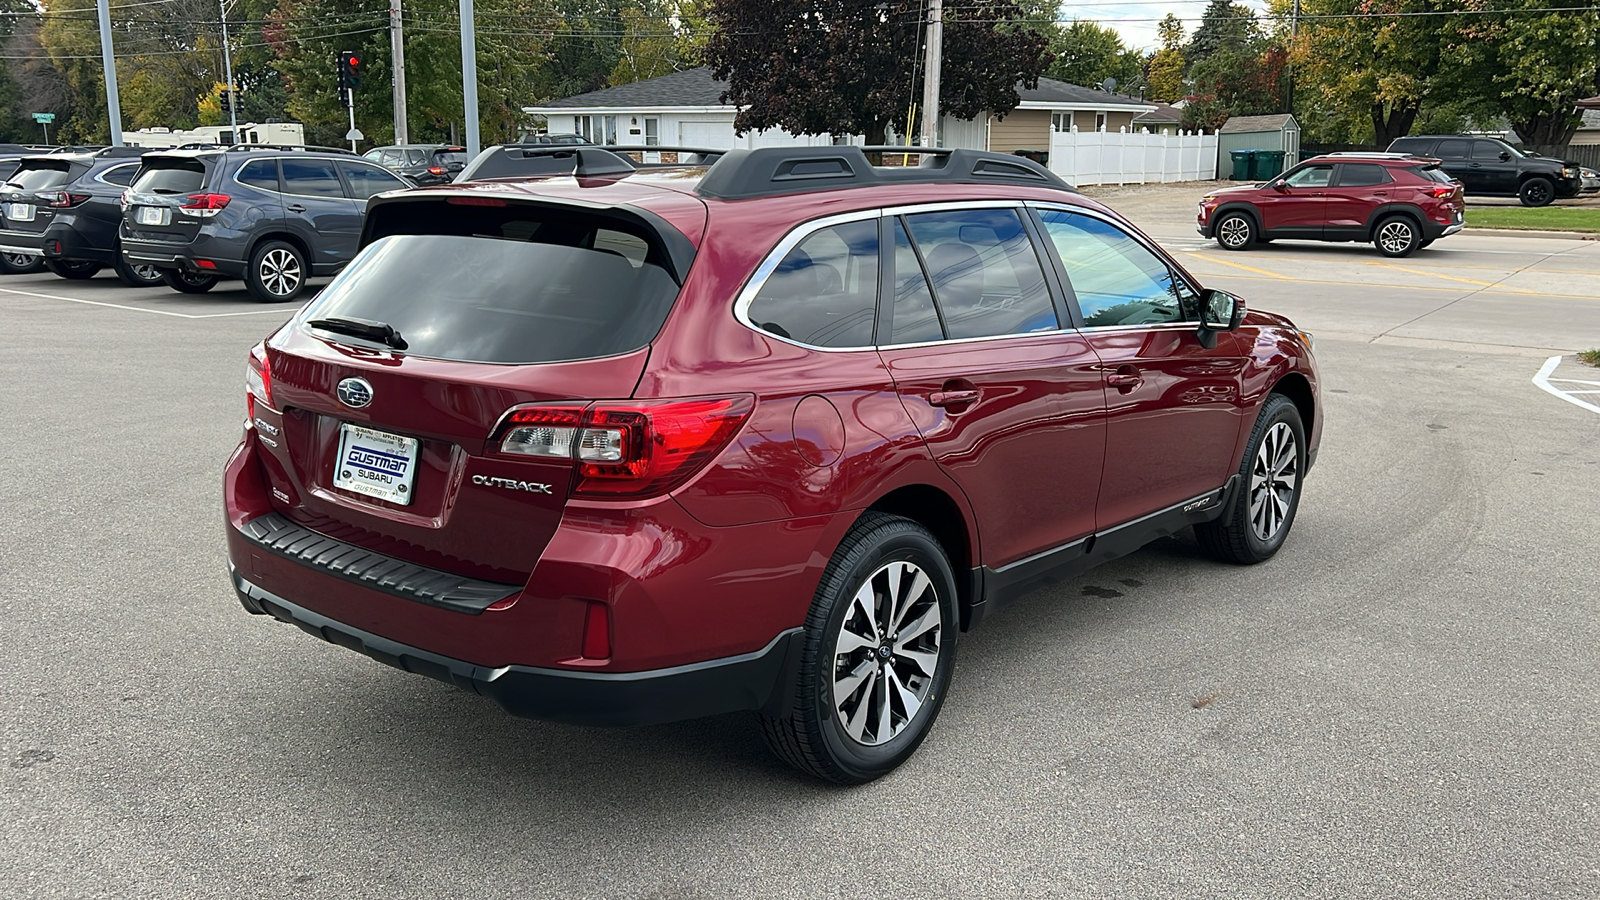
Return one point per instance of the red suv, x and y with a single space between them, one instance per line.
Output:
630 446
1399 202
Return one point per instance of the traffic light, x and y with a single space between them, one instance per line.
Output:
226 99
349 71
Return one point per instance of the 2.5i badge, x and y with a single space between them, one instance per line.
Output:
375 463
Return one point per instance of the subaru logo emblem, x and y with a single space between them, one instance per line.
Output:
355 392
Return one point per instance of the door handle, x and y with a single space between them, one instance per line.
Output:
295 208
1380 193
953 398
1125 378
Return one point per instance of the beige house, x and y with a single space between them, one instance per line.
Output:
686 109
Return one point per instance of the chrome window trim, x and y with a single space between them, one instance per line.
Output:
1138 238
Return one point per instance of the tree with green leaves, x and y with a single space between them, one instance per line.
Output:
1366 77
853 66
1088 53
1532 60
1164 69
1225 27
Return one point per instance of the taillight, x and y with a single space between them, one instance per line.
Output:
126 199
436 170
63 199
257 379
204 205
1444 192
626 449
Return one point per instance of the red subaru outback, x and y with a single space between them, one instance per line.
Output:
629 446
1399 202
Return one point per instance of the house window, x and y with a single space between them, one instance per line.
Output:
1099 121
1061 121
598 129
652 131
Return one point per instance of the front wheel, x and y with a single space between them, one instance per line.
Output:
20 264
277 272
137 274
1396 236
188 282
880 645
73 269
1261 513
1537 192
1236 231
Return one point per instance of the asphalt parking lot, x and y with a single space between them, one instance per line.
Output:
1401 703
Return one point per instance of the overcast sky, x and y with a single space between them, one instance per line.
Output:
1136 20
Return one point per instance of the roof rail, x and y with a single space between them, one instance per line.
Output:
769 171
122 151
309 148
1372 154
532 160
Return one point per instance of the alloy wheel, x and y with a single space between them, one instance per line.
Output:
18 260
1234 232
1272 481
148 273
1394 237
1538 194
280 272
887 652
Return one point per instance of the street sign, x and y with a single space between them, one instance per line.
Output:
44 118
354 134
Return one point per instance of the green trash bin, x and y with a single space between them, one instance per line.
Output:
1243 162
1269 164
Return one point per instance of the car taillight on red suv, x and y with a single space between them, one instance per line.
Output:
626 449
257 379
204 205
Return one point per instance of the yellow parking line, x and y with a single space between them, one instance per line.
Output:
1250 268
1430 274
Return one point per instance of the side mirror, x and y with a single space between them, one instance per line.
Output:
1219 311
1504 156
1280 186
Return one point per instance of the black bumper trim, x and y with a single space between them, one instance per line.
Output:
275 533
749 681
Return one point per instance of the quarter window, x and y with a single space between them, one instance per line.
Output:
1454 149
1116 279
985 275
311 177
121 176
260 173
914 318
825 291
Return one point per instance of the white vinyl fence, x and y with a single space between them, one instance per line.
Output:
1101 157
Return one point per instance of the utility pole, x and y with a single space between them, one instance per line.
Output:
227 62
469 75
1294 33
109 60
930 79
397 50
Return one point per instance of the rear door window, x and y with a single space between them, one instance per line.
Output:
825 291
1362 175
1411 145
311 178
260 173
985 274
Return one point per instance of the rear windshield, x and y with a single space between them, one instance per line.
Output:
32 178
170 178
445 157
506 299
1434 173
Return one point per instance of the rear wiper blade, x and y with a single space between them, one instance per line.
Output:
382 332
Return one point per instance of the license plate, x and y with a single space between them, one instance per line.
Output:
19 212
375 463
153 215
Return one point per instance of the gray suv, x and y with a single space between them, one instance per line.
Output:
272 216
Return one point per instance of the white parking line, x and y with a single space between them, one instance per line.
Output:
1543 380
157 312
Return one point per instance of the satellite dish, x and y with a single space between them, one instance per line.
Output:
1109 85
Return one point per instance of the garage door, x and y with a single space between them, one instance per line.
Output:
716 134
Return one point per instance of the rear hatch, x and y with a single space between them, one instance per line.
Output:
168 201
27 197
393 388
448 161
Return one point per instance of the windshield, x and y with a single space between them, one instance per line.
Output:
499 300
39 179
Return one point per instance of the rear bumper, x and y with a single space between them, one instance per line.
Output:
22 243
73 244
750 681
183 257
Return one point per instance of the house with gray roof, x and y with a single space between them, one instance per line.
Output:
686 109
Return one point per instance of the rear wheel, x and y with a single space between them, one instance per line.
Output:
880 646
1537 192
1261 513
20 264
137 274
188 282
75 269
277 272
1396 236
1236 231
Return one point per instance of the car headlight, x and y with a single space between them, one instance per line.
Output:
1569 172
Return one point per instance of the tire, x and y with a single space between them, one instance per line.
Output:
865 732
188 282
1397 236
1247 533
277 273
137 274
1235 231
74 269
1536 191
20 264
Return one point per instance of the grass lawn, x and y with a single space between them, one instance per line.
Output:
1548 218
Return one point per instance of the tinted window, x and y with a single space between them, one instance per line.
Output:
825 291
1311 176
1454 149
986 277
1411 145
260 173
39 179
180 178
629 246
449 157
122 176
495 300
1434 173
1487 150
374 155
415 157
1117 281
1362 174
368 180
914 318
311 177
